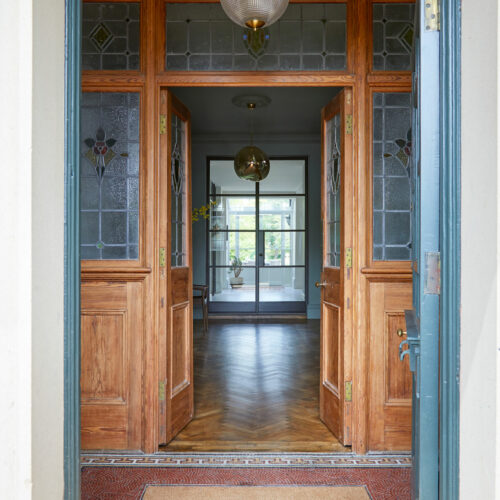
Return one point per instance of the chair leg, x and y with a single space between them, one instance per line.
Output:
205 316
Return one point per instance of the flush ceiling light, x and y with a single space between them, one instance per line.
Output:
251 163
254 14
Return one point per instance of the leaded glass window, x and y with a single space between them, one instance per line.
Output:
333 182
392 143
309 37
109 175
178 192
393 36
110 36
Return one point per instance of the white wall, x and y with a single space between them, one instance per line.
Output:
480 328
31 248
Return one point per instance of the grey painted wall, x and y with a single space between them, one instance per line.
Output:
309 146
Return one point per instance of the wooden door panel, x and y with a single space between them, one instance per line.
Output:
181 356
111 365
176 406
390 379
336 285
104 355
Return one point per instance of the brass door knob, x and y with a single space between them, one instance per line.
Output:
401 332
319 285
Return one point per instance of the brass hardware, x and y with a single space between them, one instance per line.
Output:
348 124
162 257
432 15
161 390
319 285
163 124
348 392
255 24
401 332
251 105
348 258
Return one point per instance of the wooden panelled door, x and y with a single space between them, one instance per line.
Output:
176 403
336 278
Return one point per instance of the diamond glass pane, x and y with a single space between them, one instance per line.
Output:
200 37
178 192
333 180
110 36
393 27
392 143
109 176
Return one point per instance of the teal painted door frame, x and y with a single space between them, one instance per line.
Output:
72 253
449 209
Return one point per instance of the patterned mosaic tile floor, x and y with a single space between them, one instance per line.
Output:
129 483
120 476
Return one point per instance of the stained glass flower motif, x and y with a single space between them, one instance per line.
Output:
404 152
100 152
334 174
177 170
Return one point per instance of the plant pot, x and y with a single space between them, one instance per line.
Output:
236 282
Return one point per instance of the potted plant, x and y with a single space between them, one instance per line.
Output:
236 267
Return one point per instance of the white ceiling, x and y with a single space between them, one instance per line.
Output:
293 110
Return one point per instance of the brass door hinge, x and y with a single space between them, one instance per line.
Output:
348 124
162 257
163 124
348 392
348 258
161 390
432 15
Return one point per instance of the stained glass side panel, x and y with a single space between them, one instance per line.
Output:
178 192
392 36
109 176
311 37
333 183
392 143
110 36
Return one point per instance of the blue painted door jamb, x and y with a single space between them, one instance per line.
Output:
71 253
450 250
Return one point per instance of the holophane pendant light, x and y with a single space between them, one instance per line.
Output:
251 163
254 14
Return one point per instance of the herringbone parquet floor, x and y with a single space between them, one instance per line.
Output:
257 389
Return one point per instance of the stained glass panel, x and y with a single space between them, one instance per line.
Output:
178 192
392 143
109 175
200 37
392 36
110 36
333 184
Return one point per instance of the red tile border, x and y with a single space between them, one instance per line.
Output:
128 483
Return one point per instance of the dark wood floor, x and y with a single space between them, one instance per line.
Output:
257 389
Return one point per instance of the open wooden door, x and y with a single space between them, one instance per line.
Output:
336 278
175 261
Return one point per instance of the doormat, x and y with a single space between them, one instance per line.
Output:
132 483
255 493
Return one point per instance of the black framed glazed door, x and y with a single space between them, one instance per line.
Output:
257 239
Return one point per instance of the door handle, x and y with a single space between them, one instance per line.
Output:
319 285
401 332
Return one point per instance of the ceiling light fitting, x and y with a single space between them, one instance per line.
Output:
251 163
254 14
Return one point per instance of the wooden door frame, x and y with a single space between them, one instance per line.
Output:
450 233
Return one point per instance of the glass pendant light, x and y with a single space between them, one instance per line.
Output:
251 163
254 14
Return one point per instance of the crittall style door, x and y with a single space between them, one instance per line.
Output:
175 261
336 278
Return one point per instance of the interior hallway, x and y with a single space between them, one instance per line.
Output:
256 388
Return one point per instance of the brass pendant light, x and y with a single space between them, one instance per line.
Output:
254 14
251 163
